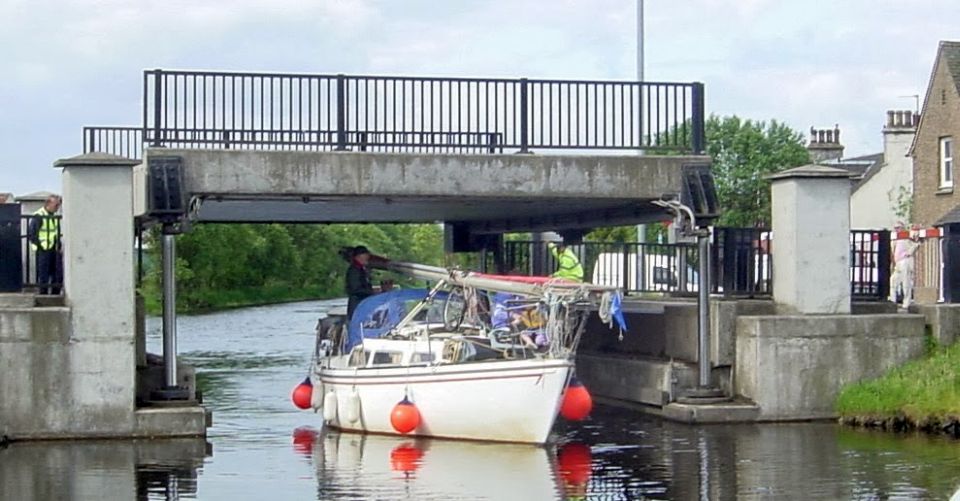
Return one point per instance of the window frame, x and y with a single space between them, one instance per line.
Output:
945 164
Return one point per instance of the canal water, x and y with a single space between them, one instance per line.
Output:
261 447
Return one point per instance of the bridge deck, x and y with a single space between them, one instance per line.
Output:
488 193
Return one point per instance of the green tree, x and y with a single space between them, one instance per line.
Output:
744 153
221 265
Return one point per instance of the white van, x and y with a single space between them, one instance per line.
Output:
660 272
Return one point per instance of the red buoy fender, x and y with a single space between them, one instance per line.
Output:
303 439
405 458
405 416
577 403
302 394
575 463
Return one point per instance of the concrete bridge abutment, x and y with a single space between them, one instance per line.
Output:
780 359
71 371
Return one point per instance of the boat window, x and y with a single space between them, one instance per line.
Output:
359 357
421 358
387 358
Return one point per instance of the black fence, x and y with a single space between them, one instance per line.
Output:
128 141
870 264
123 141
741 263
392 113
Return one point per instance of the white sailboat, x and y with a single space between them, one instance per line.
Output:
458 377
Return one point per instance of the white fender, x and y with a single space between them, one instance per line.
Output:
353 407
316 398
330 406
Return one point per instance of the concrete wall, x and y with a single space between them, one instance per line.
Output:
339 173
100 470
723 326
635 380
57 384
794 366
943 321
670 333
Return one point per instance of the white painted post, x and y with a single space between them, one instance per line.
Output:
811 240
99 288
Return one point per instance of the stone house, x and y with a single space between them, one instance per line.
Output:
936 203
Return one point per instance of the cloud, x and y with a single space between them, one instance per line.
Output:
68 63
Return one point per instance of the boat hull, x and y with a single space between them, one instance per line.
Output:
503 401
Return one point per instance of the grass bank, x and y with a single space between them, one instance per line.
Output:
922 394
214 300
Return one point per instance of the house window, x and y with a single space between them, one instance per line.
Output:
946 162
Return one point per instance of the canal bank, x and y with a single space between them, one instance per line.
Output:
922 395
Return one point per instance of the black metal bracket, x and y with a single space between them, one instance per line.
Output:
166 198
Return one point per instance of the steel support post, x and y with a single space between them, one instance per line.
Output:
703 308
169 311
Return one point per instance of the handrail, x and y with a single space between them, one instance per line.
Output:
525 114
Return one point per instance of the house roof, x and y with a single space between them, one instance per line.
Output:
37 195
949 54
950 51
860 168
811 170
950 217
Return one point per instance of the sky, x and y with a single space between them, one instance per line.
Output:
69 63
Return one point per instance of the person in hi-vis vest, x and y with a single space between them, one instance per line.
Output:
568 265
44 235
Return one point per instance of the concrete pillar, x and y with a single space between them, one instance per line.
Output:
99 286
811 240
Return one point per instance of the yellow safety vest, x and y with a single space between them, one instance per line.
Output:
48 232
568 266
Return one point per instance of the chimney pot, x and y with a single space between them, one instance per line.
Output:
890 115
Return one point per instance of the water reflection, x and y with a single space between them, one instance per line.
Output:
642 458
374 466
114 469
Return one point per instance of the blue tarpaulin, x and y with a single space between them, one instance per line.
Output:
379 313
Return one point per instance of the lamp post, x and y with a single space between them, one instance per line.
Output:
641 228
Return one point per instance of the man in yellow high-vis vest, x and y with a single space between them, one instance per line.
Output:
568 265
44 235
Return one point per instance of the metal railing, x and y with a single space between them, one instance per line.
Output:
870 264
633 267
741 263
128 141
344 112
122 141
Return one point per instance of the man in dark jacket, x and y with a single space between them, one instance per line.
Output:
359 286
